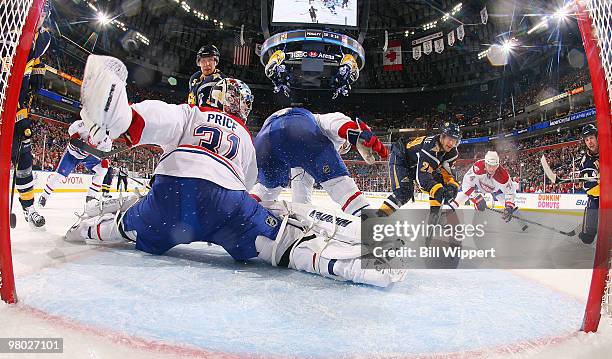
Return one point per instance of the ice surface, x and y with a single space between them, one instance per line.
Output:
197 301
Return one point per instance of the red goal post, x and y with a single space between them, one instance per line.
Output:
18 20
595 23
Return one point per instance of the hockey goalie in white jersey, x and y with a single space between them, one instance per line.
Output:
199 192
487 176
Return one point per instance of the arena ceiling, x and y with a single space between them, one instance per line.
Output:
165 34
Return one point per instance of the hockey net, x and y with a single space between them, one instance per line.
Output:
595 22
18 20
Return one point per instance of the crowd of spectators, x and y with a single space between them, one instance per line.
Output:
50 138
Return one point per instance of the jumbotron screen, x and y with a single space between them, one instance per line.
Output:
324 12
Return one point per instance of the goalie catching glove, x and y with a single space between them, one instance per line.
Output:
360 135
105 111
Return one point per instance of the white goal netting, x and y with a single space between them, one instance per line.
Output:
13 15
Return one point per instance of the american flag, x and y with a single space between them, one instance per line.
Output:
242 53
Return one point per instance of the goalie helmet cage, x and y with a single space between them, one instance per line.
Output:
18 20
595 23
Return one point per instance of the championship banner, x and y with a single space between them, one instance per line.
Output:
484 15
460 32
439 45
427 38
392 58
451 38
416 52
427 47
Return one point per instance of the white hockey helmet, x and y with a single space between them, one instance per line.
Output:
232 96
492 159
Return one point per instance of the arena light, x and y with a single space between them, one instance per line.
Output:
103 18
483 54
562 13
509 45
185 6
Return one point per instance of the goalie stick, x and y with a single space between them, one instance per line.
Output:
94 151
552 176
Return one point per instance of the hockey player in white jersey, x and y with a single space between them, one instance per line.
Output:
294 145
200 188
487 176
71 158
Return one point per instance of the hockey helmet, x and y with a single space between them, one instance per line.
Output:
589 130
206 51
232 96
492 159
451 130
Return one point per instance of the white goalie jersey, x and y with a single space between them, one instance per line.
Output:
198 142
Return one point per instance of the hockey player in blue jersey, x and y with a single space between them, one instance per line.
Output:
200 187
298 147
71 158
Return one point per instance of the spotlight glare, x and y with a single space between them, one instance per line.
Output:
103 18
561 13
509 45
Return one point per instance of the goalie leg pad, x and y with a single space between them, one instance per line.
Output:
321 254
112 205
100 230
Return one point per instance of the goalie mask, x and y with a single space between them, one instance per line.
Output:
232 96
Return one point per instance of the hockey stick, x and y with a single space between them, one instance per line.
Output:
12 216
569 234
140 183
552 176
94 151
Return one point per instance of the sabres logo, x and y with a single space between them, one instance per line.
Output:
326 169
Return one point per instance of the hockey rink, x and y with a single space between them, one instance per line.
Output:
198 302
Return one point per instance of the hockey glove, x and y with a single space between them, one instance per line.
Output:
449 193
479 202
103 94
361 136
509 211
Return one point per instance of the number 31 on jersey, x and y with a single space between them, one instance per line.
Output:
213 140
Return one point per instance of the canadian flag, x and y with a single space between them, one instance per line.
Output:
392 58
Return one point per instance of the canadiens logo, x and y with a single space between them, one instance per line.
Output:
271 221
